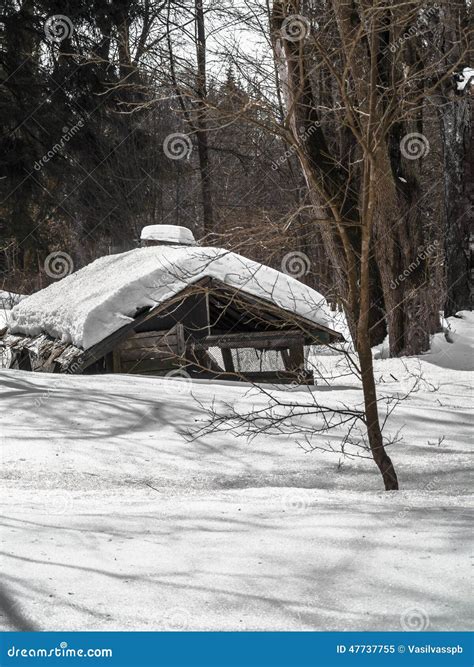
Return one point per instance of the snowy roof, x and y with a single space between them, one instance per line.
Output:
87 306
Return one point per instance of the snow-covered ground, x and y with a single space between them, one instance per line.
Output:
113 519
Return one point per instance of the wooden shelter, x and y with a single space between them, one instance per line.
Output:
208 329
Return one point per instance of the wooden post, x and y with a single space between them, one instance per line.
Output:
116 361
297 357
228 360
286 359
180 342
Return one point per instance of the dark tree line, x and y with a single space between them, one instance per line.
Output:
123 76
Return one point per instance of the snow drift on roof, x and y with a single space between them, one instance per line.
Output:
168 233
99 299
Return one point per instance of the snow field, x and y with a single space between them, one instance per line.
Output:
112 518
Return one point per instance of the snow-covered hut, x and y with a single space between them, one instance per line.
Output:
170 307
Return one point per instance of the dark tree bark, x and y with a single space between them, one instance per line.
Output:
201 119
456 119
364 351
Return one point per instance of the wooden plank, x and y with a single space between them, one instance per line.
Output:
208 314
150 365
146 353
159 346
152 334
180 340
109 362
149 341
259 340
116 361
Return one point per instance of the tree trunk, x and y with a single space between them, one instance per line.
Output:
380 456
201 121
364 351
455 119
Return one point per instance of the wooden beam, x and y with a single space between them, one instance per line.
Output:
265 340
150 365
146 353
116 361
150 338
308 326
180 340
228 360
